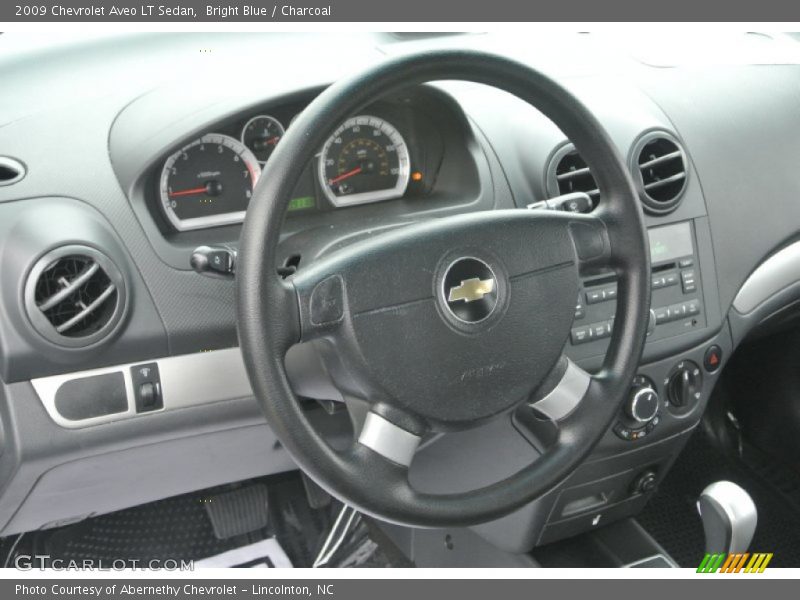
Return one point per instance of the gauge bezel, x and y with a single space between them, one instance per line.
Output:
229 218
246 125
404 164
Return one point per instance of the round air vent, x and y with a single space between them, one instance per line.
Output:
75 296
11 170
659 167
567 172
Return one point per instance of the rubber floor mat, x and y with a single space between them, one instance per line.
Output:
179 528
671 516
174 528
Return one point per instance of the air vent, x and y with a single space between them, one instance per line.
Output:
568 172
660 163
11 170
75 296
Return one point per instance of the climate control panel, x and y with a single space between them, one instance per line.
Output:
641 413
684 386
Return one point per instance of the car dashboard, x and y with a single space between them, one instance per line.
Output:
145 395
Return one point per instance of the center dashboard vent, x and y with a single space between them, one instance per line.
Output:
659 167
75 296
568 173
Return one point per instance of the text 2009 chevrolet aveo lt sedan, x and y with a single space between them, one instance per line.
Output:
395 300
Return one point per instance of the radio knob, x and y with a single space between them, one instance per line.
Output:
643 405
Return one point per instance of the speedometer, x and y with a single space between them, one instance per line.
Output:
208 183
364 160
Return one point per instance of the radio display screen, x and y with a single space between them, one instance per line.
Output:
670 242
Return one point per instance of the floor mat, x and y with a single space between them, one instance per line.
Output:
671 516
175 528
179 528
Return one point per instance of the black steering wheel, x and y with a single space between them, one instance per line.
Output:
445 324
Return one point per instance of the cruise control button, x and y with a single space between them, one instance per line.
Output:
685 262
610 293
671 279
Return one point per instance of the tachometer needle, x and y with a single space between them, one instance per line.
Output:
344 176
197 190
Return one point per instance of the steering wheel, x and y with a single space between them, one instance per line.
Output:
443 325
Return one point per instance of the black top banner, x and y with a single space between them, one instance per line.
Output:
265 11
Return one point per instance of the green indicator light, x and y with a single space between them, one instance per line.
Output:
302 203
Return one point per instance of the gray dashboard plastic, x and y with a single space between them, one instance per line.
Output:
462 182
778 272
29 230
739 126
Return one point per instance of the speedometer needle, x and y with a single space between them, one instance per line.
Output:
197 190
344 176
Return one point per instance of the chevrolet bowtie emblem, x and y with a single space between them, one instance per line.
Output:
471 290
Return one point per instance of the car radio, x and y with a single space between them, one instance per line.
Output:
676 300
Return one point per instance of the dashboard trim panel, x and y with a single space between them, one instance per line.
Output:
778 272
186 381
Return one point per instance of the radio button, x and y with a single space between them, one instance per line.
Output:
662 315
581 335
594 296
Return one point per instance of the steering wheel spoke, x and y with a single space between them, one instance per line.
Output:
320 298
562 391
389 440
589 234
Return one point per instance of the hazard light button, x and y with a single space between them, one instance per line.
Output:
713 358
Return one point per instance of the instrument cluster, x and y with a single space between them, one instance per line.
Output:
208 182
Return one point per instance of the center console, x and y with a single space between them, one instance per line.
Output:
684 351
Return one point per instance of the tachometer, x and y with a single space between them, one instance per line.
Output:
208 182
365 160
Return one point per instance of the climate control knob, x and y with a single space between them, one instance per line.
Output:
684 385
642 406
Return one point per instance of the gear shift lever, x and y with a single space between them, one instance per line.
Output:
729 518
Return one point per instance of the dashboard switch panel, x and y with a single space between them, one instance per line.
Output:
146 384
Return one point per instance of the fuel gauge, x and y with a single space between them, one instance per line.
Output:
261 134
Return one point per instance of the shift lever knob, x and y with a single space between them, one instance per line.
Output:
729 518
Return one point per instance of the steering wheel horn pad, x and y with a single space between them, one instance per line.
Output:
444 324
400 338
